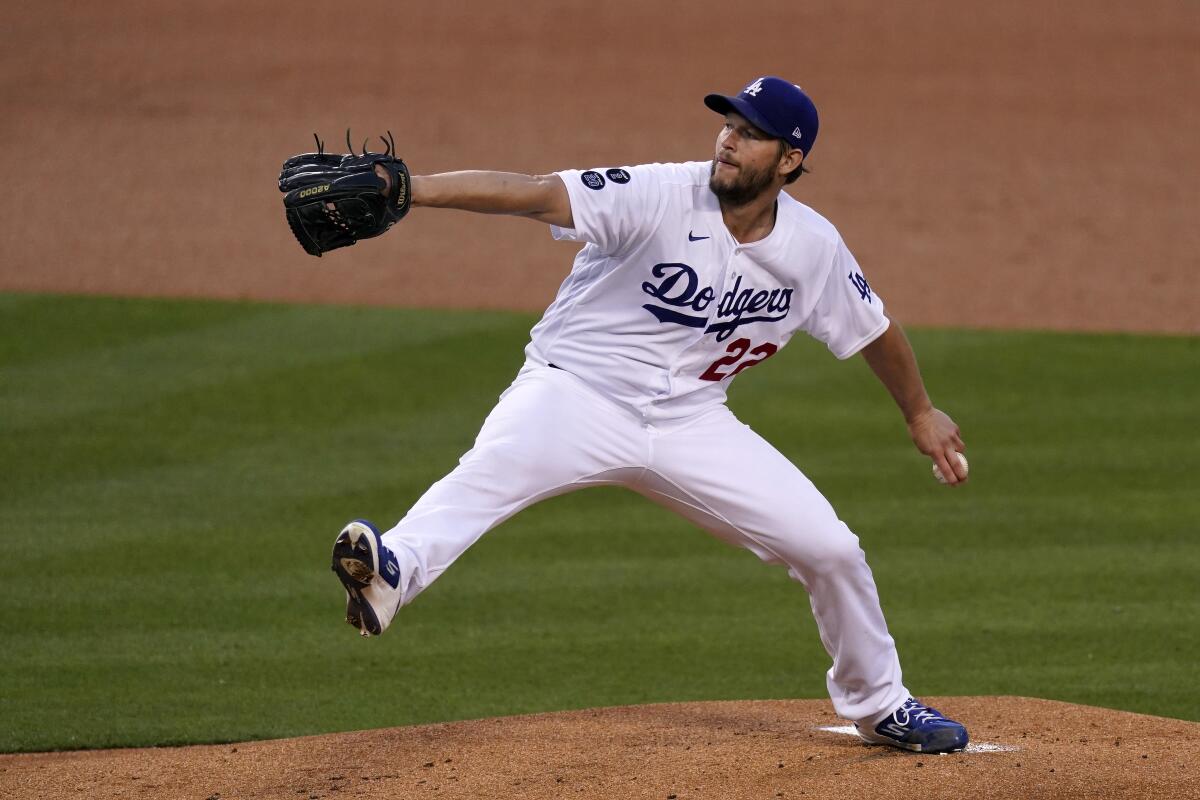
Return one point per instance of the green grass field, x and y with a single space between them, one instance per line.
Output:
175 472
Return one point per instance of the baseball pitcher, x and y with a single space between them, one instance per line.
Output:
690 274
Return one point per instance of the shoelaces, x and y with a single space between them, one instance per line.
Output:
914 712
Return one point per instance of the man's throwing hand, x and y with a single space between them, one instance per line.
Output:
937 436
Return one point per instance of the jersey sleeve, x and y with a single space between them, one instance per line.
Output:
848 314
612 207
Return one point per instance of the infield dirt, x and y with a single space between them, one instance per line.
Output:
742 750
1019 164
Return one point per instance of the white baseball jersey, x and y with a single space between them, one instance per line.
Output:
663 306
661 309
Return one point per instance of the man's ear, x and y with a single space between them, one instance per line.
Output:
790 160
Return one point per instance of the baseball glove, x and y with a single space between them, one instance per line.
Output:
332 201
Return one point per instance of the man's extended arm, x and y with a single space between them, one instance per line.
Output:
540 197
891 359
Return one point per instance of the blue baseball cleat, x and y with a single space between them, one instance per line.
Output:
371 575
917 727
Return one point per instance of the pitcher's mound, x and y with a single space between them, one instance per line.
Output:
1022 748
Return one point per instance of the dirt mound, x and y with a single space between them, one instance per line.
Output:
1021 748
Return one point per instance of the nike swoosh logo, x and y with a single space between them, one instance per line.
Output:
692 238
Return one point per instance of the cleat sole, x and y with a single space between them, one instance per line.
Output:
353 560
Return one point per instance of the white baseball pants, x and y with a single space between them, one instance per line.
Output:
551 433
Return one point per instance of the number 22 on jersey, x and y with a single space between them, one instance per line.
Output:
737 350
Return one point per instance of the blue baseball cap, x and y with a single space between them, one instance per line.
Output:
775 106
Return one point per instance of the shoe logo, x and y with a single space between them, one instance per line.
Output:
693 238
391 571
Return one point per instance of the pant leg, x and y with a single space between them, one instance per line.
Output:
548 435
718 473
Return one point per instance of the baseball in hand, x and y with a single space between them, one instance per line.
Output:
937 473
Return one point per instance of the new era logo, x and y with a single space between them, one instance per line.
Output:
799 134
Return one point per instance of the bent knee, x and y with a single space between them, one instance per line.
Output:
831 551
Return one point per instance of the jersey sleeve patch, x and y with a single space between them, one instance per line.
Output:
592 180
860 284
614 207
848 313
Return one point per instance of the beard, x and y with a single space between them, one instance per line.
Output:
742 189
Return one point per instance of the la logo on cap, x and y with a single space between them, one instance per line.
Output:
754 88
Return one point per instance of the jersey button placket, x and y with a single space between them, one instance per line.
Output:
729 272
718 287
